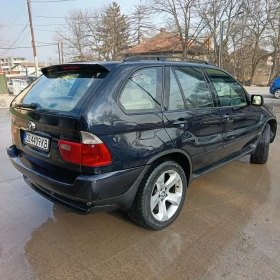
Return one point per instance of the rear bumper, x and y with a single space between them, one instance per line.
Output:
89 193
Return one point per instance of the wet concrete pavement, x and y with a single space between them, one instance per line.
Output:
229 228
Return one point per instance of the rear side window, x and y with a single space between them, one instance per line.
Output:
61 91
142 92
194 86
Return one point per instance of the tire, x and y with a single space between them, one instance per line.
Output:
163 187
277 93
261 153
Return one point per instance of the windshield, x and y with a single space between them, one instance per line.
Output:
61 91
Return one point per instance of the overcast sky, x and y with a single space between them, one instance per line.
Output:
14 16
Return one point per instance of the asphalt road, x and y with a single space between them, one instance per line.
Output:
264 91
229 228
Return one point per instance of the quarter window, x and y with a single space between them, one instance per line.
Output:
194 86
142 92
229 92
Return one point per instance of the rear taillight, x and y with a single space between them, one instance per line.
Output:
272 84
91 152
70 151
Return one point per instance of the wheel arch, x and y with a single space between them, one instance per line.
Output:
273 129
179 156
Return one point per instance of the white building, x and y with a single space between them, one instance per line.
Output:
24 69
7 63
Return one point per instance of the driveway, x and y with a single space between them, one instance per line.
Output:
229 228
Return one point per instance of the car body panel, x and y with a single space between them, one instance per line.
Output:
274 85
202 134
240 126
47 125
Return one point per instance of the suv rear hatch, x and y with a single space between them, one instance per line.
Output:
48 112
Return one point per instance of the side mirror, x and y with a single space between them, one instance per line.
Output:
256 100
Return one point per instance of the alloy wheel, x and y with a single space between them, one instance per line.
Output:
277 93
166 195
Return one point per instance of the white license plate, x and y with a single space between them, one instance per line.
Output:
39 142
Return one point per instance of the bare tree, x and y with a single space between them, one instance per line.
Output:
74 35
214 13
260 14
181 18
93 22
275 42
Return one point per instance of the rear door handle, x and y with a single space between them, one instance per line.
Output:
180 123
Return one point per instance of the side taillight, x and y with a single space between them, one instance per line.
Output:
91 152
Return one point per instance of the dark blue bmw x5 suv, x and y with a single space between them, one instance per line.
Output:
134 134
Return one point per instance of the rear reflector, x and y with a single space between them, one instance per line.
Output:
91 153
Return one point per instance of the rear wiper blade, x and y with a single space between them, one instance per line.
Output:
30 106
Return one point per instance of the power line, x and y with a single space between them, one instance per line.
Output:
35 24
20 33
45 43
68 17
51 24
51 1
24 37
39 46
47 17
13 22
44 30
18 36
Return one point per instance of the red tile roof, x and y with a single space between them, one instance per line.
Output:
163 42
31 64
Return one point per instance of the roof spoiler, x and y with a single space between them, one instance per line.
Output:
47 71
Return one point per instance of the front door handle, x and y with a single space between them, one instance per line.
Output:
180 122
227 118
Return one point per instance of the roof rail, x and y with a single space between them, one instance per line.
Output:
164 58
144 57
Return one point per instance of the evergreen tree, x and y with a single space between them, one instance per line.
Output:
113 33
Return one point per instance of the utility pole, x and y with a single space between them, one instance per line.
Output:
222 38
58 47
62 58
32 37
221 43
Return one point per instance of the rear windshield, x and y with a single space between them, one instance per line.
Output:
61 91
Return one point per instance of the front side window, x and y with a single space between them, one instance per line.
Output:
229 92
143 90
194 86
